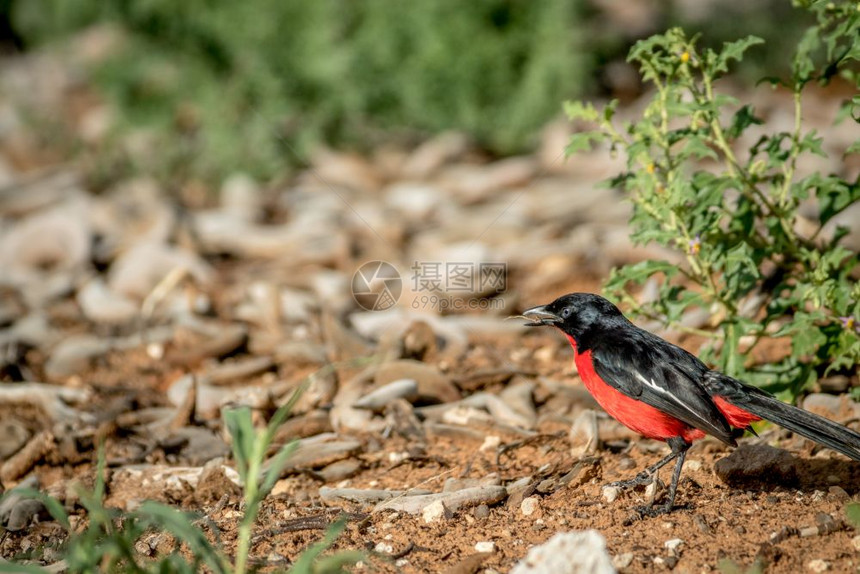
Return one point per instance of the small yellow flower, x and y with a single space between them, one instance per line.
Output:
695 245
650 168
685 57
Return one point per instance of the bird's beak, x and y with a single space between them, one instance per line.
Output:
540 316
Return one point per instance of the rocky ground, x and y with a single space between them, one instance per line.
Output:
454 438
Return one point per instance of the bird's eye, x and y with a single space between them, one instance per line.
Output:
565 313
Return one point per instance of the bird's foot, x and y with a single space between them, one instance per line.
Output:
641 479
651 511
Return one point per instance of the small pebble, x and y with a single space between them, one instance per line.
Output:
610 493
435 511
485 546
838 493
651 490
481 511
818 565
383 548
626 463
673 544
693 465
620 561
491 442
856 542
530 505
401 562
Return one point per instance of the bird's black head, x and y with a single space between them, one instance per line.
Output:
577 314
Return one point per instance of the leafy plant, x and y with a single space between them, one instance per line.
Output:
732 214
107 544
225 85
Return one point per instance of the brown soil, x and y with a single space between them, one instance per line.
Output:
715 521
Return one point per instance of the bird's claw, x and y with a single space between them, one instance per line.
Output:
641 479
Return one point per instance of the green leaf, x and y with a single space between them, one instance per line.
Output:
305 563
852 513
743 118
180 525
276 465
241 428
583 142
576 110
735 51
640 272
14 568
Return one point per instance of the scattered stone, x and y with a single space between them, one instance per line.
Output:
693 465
465 498
75 355
377 399
102 305
530 505
610 493
340 470
483 511
757 464
673 545
485 546
621 561
226 373
433 386
491 443
818 565
319 451
435 511
568 553
364 496
435 152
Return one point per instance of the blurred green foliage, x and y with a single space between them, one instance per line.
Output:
252 85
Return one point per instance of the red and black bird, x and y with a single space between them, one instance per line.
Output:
663 392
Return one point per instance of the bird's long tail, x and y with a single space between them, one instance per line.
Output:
814 427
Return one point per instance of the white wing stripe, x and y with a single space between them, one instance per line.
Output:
660 390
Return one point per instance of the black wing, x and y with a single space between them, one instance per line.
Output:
647 368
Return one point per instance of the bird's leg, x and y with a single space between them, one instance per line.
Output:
647 475
679 449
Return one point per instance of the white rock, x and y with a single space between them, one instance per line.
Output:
101 305
383 548
491 442
610 493
818 565
485 546
622 560
673 544
435 511
137 271
568 553
377 399
855 542
529 505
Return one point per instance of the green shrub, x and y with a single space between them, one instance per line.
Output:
734 224
251 85
108 543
